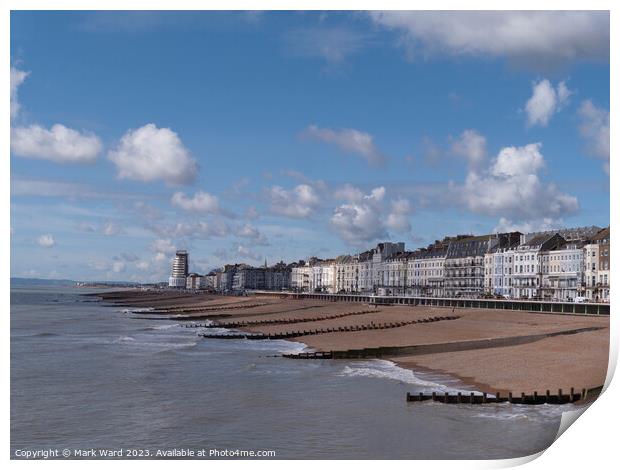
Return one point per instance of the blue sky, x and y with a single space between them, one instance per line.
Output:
248 135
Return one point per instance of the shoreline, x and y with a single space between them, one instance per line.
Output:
563 360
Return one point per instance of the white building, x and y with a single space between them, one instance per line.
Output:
179 270
563 273
527 277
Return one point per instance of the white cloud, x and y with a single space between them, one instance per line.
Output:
359 220
299 202
245 252
398 218
539 39
349 141
202 202
17 78
545 102
331 44
595 128
516 161
528 226
150 153
199 230
511 188
163 246
250 232
46 240
472 146
349 193
58 144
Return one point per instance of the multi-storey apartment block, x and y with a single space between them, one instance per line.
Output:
527 278
562 272
596 277
561 265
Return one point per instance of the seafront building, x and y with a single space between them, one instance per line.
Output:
179 270
561 265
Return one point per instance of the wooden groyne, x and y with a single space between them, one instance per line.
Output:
318 331
207 308
420 349
535 398
281 321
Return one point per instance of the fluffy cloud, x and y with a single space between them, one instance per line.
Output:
150 153
398 218
299 202
595 128
46 241
545 102
512 188
472 146
528 226
163 246
348 140
245 252
17 78
250 232
199 230
201 202
364 218
359 221
539 39
58 144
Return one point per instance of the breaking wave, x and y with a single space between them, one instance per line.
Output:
382 369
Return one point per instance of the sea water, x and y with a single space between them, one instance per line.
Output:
86 375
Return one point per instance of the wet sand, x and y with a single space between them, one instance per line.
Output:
576 360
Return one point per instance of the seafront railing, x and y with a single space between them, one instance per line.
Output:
538 306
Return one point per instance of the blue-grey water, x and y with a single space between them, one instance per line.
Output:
85 375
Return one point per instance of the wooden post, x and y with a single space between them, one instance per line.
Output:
547 397
408 396
446 397
571 396
434 396
484 397
535 396
584 392
559 395
421 395
458 397
497 396
471 397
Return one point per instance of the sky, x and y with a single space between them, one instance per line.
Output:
253 136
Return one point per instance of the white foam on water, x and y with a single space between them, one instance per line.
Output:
164 327
273 345
507 411
137 310
383 369
123 339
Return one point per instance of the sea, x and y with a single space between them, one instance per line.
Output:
86 375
